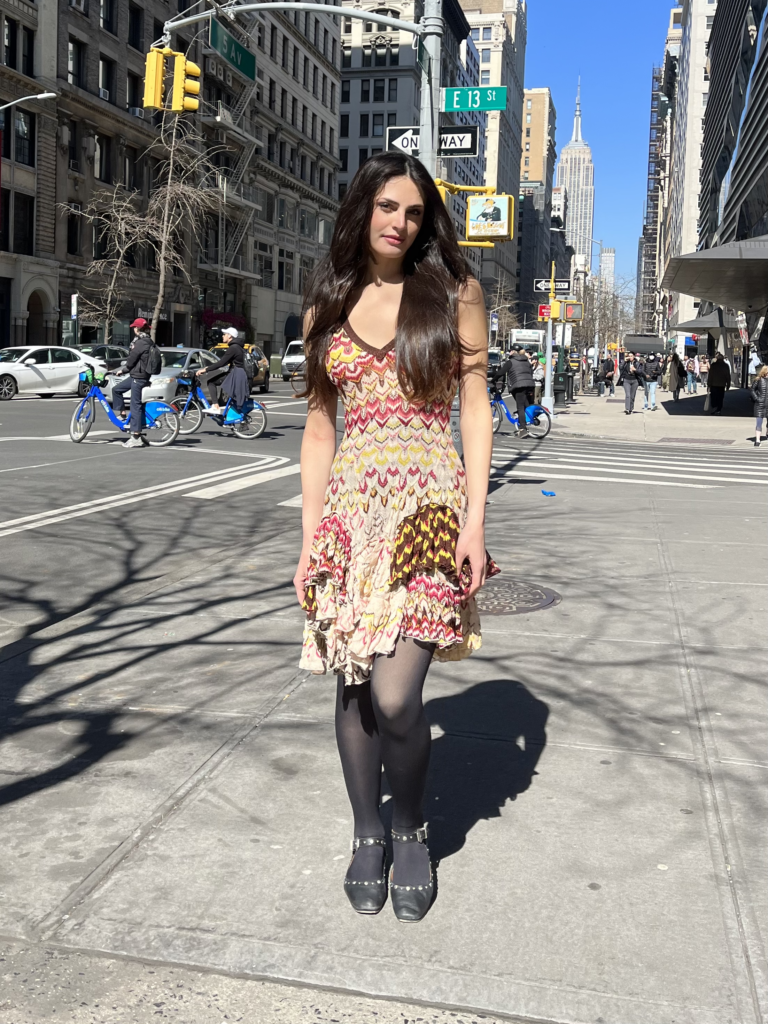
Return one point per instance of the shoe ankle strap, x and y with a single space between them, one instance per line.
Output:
419 835
359 841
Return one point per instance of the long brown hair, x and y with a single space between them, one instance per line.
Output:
428 347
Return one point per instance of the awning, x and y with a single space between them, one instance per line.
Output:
293 326
734 275
711 323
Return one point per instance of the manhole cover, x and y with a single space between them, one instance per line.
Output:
514 597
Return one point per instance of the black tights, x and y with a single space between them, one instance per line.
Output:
382 722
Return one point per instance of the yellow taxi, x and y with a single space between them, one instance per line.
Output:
260 364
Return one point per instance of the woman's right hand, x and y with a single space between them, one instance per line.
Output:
301 574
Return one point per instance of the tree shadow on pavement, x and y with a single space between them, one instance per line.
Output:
493 736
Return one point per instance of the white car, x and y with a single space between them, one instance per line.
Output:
44 370
293 360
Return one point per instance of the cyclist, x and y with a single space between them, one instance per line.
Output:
140 365
235 382
520 383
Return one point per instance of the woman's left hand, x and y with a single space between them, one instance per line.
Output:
471 545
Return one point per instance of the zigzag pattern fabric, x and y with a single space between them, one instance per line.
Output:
383 560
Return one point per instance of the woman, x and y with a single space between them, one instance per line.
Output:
394 547
704 369
538 377
677 376
719 382
630 377
759 392
235 383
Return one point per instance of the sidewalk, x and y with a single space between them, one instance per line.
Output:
171 794
684 420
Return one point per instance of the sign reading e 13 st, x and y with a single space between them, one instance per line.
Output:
232 51
488 97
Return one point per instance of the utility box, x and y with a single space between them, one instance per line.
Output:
275 366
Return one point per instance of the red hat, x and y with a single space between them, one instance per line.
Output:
139 322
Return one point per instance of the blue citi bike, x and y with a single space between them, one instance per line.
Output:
249 422
162 420
538 422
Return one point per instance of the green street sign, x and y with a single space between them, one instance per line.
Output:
488 97
232 51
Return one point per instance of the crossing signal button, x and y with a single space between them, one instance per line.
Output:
186 85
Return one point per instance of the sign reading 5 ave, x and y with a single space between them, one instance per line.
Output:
487 97
232 51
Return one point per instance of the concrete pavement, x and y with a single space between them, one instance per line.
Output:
171 799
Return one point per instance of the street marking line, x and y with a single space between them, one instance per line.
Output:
58 515
230 486
61 462
280 405
534 461
298 503
724 466
659 458
605 479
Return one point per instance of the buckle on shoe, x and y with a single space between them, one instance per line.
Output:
421 833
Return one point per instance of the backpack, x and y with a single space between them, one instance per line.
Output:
154 360
250 366
690 366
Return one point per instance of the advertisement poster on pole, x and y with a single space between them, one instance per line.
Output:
489 217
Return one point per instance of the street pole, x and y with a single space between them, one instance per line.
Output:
429 120
548 401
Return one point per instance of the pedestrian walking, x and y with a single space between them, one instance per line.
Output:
143 361
691 372
704 371
651 377
630 378
538 378
520 383
394 547
759 392
608 370
719 382
676 376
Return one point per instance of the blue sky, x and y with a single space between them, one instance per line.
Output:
613 46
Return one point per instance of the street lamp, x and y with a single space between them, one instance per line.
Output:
25 99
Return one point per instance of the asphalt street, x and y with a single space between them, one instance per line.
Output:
174 820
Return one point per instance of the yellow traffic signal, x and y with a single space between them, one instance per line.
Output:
443 192
154 79
185 90
555 309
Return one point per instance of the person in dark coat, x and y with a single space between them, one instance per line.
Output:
719 382
138 369
235 383
631 375
759 392
520 383
652 371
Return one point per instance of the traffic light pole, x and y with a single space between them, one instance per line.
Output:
548 401
429 118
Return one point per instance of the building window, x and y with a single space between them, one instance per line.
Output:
366 56
378 90
135 27
333 97
527 162
272 93
273 43
5 220
345 91
527 133
28 52
527 147
392 95
378 125
307 223
263 265
485 78
347 25
10 36
75 62
331 141
73 230
528 104
285 270
305 120
344 158
525 176
107 16
283 104
485 56
342 189
475 33
381 57
346 57
101 159
334 53
130 165
74 153
487 32
315 78
324 94
365 90
266 201
710 20
527 118
106 79
314 127
134 91
24 138
394 56
286 215
363 126
286 52
362 156
391 120
23 223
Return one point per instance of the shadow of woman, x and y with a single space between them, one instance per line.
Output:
493 736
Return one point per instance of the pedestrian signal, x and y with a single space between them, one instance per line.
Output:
154 79
185 89
555 307
573 311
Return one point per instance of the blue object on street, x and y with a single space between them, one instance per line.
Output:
548 494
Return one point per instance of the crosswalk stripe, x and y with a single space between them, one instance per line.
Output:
229 486
546 464
605 479
607 463
647 451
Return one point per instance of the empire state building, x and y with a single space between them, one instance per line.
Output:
577 173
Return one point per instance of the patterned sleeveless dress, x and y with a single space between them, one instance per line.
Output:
382 563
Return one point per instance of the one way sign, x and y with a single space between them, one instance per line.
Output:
543 284
454 140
